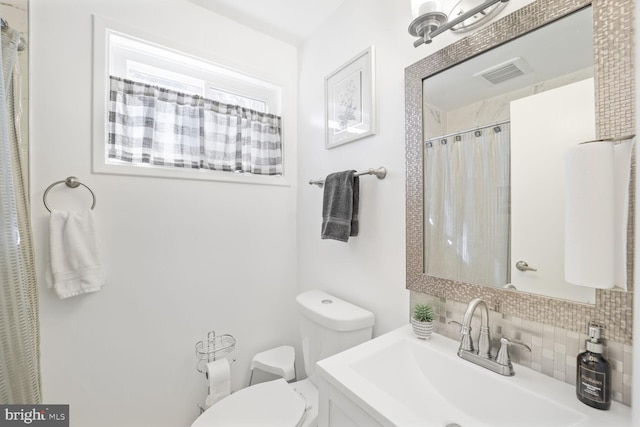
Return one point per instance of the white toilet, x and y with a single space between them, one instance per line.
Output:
328 325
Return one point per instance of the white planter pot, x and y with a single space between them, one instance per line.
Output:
422 330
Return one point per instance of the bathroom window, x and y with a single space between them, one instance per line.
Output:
163 112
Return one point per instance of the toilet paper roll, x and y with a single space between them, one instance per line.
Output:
590 215
219 378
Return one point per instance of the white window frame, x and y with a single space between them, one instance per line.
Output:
103 28
151 70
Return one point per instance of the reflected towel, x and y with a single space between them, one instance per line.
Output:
340 206
590 215
75 265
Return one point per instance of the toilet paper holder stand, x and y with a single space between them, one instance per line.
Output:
214 347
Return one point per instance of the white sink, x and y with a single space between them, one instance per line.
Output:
399 380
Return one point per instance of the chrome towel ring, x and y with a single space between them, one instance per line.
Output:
71 182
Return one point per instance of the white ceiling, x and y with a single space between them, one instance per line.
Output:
292 21
555 50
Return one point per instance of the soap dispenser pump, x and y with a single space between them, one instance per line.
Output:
593 379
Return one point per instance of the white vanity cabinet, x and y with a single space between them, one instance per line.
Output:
338 410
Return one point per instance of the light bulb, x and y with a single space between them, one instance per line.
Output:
420 7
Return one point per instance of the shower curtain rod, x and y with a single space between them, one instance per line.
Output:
460 132
22 44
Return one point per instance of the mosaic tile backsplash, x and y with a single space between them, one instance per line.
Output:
554 350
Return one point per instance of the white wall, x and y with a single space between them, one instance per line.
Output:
369 270
182 257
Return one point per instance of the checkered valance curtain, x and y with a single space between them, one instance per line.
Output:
156 126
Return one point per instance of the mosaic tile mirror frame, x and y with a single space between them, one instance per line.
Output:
613 28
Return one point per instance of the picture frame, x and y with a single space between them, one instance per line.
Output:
350 110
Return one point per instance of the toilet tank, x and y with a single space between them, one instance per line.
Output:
329 325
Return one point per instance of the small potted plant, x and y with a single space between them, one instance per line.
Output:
422 321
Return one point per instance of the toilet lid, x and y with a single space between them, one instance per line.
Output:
269 404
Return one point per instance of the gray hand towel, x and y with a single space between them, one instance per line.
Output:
340 206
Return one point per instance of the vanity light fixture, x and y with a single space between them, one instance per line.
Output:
430 18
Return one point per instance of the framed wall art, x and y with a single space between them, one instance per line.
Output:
350 101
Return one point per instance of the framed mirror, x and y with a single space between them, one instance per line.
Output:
613 91
494 159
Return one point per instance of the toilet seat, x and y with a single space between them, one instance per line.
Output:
272 404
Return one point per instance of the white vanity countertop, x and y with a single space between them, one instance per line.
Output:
403 381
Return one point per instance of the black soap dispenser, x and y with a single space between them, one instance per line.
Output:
593 379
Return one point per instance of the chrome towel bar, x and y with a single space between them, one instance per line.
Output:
380 173
71 182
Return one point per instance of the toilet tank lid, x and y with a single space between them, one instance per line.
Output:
332 312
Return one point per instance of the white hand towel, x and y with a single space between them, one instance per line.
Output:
590 215
75 264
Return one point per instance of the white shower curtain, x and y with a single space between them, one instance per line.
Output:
467 206
19 322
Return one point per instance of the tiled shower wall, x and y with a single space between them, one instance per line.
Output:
554 350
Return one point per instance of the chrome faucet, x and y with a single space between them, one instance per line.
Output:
502 363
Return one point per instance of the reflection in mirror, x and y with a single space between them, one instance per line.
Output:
493 159
467 206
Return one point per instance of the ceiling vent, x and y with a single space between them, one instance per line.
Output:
505 71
